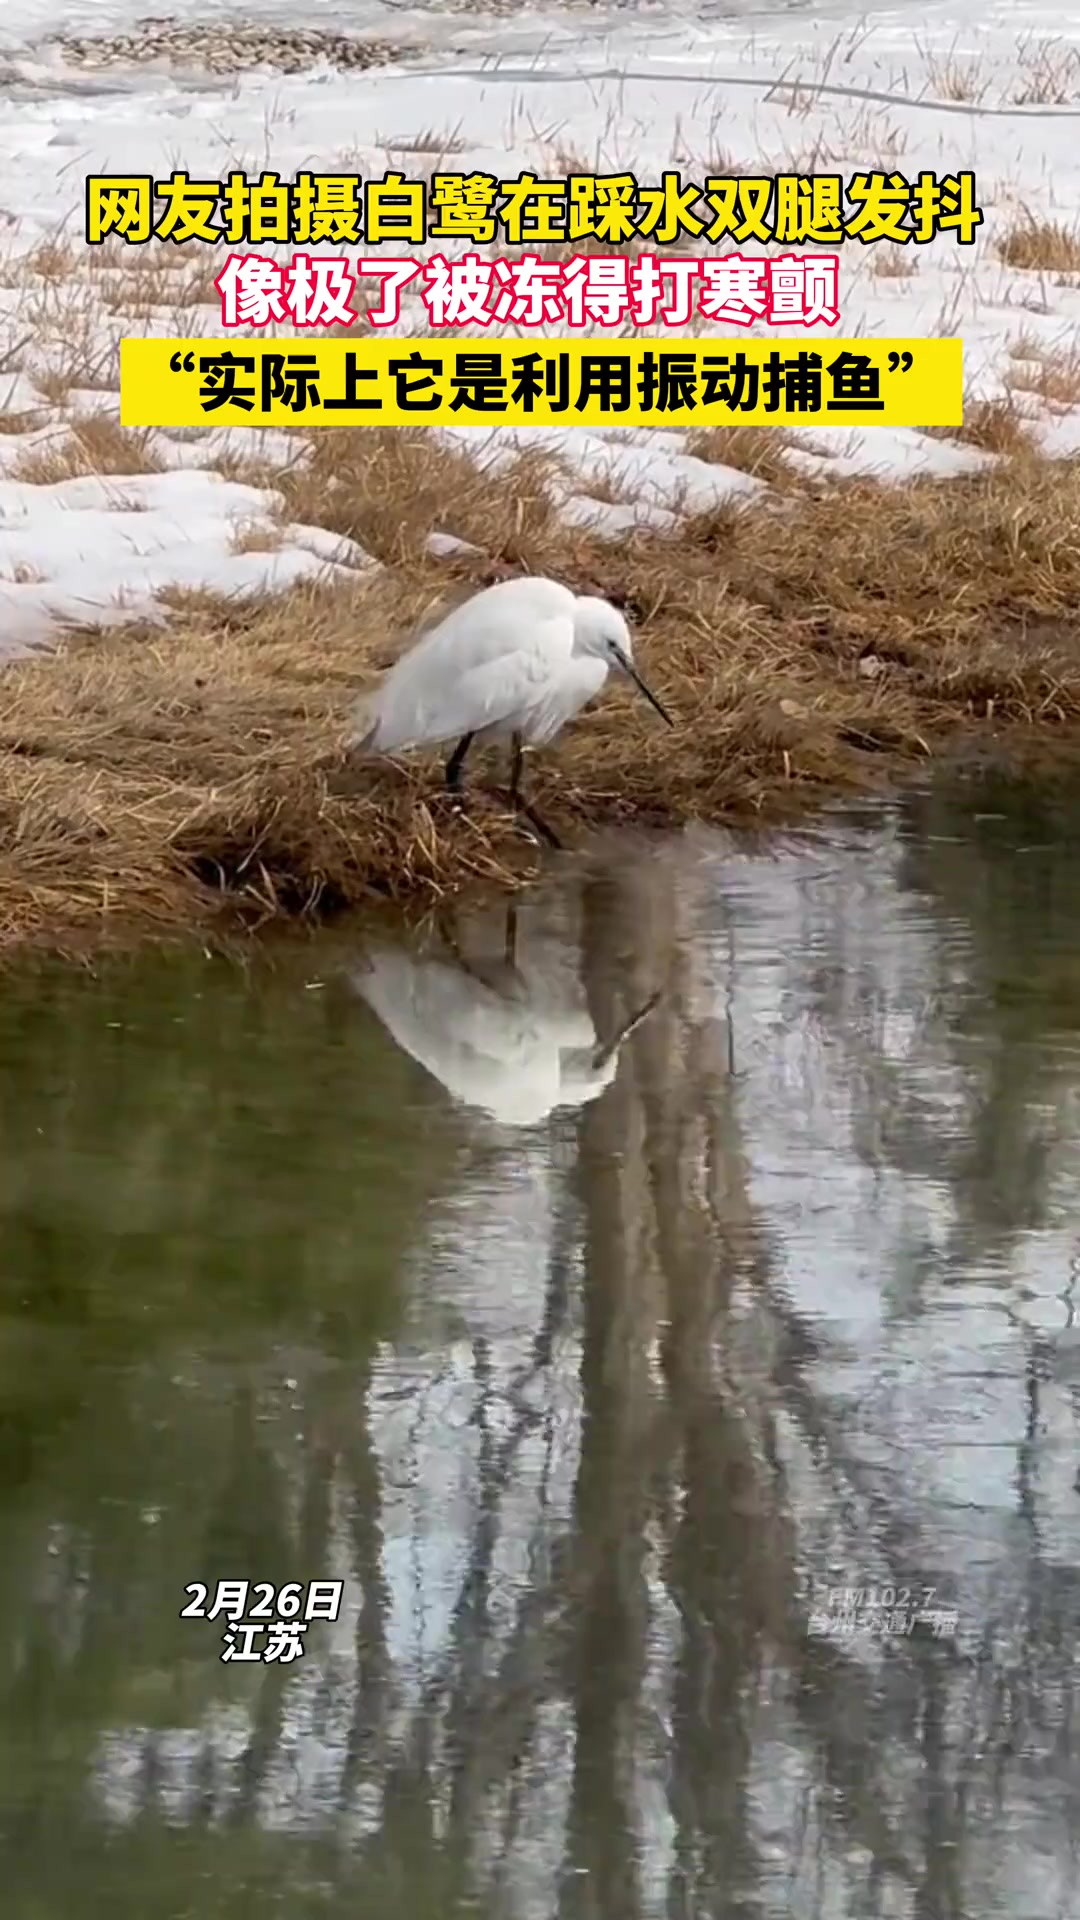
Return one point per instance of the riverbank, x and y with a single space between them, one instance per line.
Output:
822 609
192 774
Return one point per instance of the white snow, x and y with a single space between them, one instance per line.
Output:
993 89
102 548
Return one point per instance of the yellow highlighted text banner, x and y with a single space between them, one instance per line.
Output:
540 382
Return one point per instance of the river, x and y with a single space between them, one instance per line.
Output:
603 1377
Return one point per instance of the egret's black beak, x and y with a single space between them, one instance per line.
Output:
605 1053
629 668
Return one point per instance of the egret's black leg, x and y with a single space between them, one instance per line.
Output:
450 940
515 768
491 973
448 934
546 833
519 801
457 761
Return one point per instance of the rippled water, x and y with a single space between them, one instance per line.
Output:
601 1375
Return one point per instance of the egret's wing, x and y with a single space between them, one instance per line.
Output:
408 709
572 1029
429 1006
515 613
457 681
564 695
485 1053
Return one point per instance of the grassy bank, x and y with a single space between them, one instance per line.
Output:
193 775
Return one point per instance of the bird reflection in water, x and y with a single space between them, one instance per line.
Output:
498 1034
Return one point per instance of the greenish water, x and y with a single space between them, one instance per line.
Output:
598 1384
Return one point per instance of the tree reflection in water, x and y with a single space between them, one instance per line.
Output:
586 1398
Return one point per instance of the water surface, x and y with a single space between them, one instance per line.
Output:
598 1374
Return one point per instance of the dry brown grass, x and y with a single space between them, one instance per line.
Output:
610 486
25 422
202 44
1049 73
1042 246
181 777
994 426
389 489
1052 374
755 450
439 141
251 537
143 285
195 776
96 443
893 263
52 259
54 385
565 250
953 75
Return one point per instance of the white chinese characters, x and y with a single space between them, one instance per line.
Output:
264 1622
881 1612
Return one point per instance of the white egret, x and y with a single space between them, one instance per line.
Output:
508 1054
515 662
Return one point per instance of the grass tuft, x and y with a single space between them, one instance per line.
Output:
97 443
993 426
1041 246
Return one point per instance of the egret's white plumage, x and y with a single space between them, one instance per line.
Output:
517 1055
516 661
